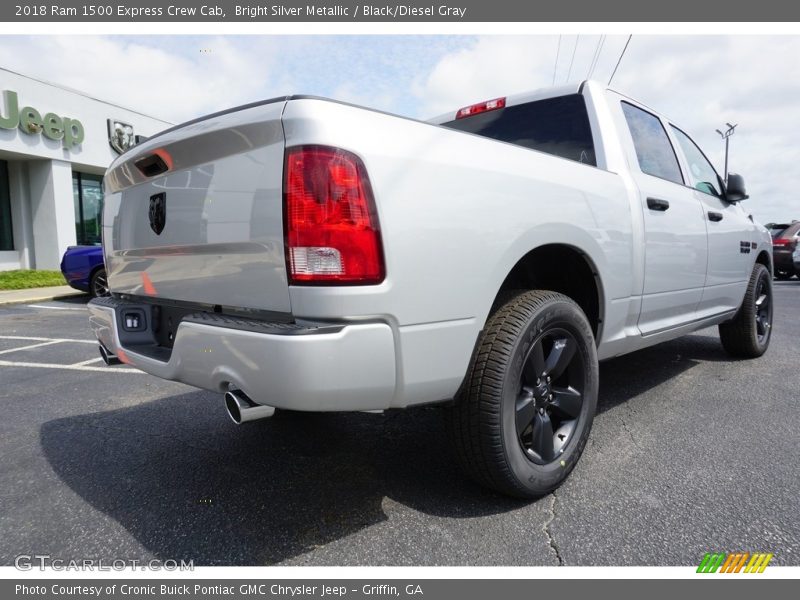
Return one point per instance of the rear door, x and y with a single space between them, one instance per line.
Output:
674 230
195 214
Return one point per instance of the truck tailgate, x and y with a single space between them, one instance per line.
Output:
195 213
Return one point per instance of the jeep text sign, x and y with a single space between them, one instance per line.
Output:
31 121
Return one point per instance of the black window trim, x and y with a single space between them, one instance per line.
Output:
78 176
661 121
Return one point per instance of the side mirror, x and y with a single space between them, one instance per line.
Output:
734 190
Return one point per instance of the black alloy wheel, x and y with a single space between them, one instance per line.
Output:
98 286
549 403
748 334
521 420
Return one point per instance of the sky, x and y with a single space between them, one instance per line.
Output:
700 82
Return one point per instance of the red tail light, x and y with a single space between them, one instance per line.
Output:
331 226
781 242
481 107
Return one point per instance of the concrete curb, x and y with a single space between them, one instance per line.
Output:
45 294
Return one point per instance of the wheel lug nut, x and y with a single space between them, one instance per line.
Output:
550 397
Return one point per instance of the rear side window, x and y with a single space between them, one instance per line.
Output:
558 126
654 151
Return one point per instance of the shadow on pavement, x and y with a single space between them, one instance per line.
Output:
80 299
633 374
188 484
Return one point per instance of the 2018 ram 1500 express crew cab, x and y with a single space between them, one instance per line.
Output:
310 255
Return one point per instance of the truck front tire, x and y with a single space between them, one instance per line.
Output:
524 413
747 335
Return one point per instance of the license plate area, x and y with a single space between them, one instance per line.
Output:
166 320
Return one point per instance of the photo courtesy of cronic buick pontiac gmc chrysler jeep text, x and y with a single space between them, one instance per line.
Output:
310 255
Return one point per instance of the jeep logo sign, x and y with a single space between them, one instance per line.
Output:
31 121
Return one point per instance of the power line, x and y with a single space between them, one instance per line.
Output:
577 39
594 56
558 52
596 59
620 59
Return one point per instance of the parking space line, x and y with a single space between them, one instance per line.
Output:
31 346
86 362
56 307
8 363
44 339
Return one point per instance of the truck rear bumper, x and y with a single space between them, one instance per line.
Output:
351 367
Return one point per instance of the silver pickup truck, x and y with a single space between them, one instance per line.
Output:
309 255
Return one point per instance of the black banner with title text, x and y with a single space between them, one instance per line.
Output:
370 589
409 11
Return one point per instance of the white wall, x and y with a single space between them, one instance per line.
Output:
50 182
9 261
21 219
95 150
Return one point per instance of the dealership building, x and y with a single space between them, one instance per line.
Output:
55 145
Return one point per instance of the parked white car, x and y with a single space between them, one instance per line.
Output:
311 255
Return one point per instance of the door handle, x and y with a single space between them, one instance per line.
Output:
714 216
657 204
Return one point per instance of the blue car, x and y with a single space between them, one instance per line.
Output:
83 268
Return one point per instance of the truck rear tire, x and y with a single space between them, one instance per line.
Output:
747 335
522 418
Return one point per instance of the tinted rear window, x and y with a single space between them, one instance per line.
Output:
776 230
558 126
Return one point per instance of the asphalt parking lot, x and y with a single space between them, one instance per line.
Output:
690 452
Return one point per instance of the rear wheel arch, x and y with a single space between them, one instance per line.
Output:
562 268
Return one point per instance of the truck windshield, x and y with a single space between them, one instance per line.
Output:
558 126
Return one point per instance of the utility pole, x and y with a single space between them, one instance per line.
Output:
726 136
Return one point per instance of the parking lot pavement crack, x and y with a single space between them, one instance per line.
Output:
627 429
546 529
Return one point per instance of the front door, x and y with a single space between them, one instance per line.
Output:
729 233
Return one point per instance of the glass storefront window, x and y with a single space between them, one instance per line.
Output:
6 233
88 195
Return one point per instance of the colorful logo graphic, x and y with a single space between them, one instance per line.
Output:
743 562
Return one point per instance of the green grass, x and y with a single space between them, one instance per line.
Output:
22 279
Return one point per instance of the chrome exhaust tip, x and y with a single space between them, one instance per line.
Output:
241 409
108 358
